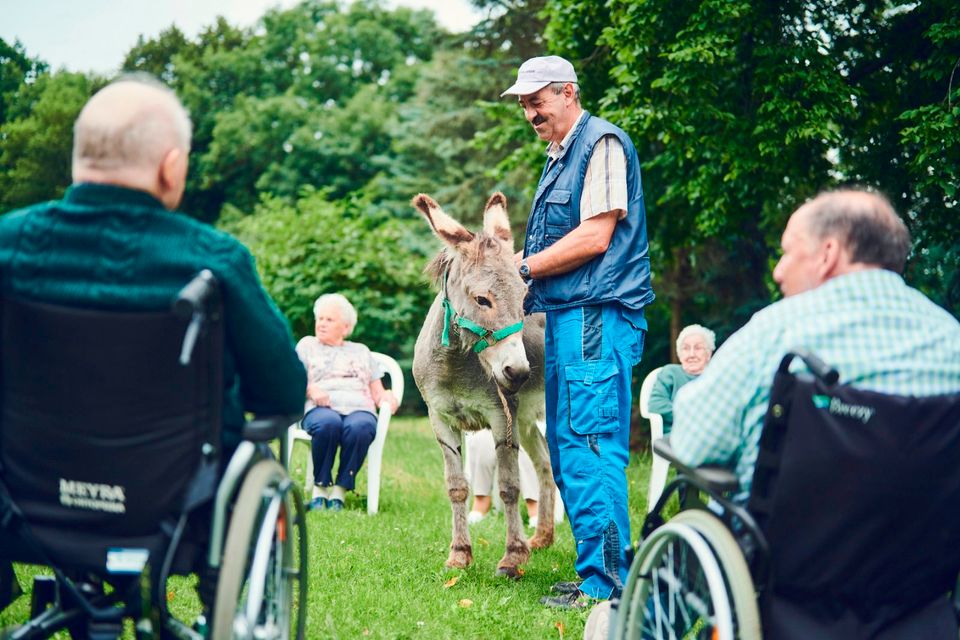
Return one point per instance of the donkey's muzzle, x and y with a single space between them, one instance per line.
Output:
515 377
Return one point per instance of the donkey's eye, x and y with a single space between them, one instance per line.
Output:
484 302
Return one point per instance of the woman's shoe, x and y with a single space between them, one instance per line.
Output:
318 504
334 504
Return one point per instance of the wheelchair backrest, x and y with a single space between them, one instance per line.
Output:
858 495
102 428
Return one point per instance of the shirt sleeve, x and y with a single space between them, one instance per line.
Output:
376 371
605 182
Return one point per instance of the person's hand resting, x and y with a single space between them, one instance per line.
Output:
390 400
317 395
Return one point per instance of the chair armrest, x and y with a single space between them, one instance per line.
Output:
267 428
713 478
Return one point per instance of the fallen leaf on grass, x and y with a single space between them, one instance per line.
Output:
452 581
560 627
170 595
465 603
521 571
483 542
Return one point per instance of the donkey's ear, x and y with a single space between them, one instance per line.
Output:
446 228
495 221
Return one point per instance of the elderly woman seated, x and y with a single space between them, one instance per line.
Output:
695 347
343 393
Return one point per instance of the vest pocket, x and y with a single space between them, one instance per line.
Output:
558 212
592 396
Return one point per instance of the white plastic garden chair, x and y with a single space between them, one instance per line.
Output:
658 472
374 461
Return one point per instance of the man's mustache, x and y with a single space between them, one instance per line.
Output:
539 120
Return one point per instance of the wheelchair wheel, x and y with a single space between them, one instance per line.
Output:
736 573
675 590
261 592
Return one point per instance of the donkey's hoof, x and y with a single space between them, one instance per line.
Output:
459 558
509 572
540 541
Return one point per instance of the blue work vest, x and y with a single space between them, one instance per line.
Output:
622 273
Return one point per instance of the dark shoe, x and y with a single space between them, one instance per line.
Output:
565 587
574 600
334 505
318 504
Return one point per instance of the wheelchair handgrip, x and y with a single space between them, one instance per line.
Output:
818 367
194 296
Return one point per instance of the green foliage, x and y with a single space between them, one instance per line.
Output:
742 109
36 140
16 69
315 246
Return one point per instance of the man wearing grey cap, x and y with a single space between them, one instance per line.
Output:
587 263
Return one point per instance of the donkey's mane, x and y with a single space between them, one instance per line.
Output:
473 254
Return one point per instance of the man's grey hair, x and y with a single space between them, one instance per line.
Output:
347 312
709 337
558 89
865 223
140 141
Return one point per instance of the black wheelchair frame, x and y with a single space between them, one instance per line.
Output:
760 581
241 527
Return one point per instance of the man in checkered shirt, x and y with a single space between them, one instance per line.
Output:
845 300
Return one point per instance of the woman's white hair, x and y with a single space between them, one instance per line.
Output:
709 337
347 312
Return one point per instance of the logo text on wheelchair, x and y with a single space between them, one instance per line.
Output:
94 496
838 407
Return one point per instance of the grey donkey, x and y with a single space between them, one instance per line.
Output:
479 365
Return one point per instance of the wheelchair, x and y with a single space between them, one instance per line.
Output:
851 529
112 475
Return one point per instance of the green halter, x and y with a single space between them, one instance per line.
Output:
487 337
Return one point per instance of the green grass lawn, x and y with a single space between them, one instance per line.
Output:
382 576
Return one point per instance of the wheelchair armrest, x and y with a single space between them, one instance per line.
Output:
267 428
714 478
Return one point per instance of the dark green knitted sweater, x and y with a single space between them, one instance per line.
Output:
109 247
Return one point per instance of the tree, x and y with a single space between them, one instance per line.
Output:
741 109
36 141
315 246
16 69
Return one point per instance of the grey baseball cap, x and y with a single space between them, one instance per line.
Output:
536 73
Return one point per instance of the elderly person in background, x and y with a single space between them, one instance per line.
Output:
343 393
695 346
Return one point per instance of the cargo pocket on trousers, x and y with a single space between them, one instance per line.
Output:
592 396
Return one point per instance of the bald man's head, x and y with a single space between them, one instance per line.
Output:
134 132
864 222
132 122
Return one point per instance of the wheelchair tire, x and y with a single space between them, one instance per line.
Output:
675 589
740 585
262 560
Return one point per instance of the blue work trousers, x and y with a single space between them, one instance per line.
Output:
590 353
352 434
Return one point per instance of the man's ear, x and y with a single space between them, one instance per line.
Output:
833 258
172 177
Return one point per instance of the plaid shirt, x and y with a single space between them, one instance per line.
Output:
880 334
605 182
